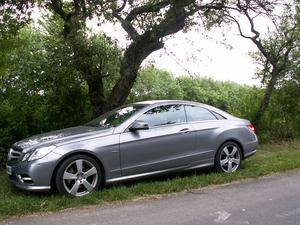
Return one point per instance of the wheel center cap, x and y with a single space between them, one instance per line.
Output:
79 177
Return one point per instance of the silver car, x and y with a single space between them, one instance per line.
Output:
132 141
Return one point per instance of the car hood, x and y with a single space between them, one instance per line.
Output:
58 136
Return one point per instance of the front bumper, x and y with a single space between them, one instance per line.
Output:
35 175
30 187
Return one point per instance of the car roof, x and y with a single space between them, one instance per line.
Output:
160 102
151 102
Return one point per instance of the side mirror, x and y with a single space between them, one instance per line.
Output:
139 125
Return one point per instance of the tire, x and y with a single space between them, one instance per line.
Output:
228 158
78 175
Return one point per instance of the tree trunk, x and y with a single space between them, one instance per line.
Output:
96 95
131 63
93 78
266 99
83 64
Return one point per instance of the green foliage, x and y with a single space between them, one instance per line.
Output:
40 91
106 58
223 95
153 83
282 119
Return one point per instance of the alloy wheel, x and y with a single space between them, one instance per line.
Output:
80 177
230 158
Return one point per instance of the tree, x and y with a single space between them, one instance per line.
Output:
146 23
275 51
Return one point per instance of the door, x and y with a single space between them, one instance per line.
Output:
206 125
165 145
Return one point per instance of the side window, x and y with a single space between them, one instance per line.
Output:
163 115
196 113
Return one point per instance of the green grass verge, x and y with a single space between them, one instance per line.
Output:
269 159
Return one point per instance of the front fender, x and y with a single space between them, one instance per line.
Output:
104 149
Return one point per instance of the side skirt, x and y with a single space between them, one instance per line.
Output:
141 175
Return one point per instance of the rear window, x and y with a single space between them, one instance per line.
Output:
196 113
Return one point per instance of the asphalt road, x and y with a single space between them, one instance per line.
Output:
271 200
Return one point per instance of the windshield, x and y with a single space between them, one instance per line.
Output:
115 117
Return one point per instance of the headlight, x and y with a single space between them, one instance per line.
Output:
38 153
25 157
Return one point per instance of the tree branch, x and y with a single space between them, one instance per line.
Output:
238 26
57 7
127 26
147 9
122 7
253 30
254 38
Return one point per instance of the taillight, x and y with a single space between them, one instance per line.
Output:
251 127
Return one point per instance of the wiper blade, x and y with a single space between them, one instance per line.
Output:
93 125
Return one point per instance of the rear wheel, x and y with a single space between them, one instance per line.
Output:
228 158
78 175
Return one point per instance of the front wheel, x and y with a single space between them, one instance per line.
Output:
78 175
228 158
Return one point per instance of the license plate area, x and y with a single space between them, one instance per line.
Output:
8 170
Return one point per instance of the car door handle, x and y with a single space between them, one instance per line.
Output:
184 131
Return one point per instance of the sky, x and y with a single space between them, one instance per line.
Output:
193 54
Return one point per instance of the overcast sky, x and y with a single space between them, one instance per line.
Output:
192 53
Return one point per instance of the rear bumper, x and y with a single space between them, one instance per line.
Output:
248 154
250 148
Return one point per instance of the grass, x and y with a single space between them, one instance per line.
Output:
270 158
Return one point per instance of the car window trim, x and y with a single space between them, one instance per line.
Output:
215 113
204 121
168 125
158 126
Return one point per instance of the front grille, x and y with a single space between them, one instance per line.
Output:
14 154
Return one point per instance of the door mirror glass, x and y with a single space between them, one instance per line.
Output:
139 125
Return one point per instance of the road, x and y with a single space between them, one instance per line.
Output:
273 200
